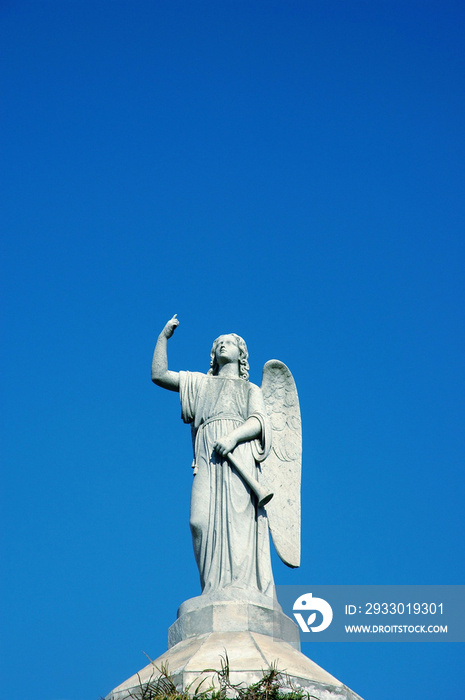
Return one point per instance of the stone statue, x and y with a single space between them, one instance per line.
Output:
247 452
247 460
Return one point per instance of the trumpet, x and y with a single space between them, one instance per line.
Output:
263 496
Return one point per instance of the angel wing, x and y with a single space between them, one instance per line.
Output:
281 470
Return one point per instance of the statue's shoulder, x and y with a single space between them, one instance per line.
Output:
191 381
193 375
253 388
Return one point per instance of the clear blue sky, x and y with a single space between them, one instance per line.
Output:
292 172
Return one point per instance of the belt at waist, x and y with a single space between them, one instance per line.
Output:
202 426
220 417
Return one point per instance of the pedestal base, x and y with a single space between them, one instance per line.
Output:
249 654
204 615
253 635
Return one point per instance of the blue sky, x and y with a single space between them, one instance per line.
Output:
292 172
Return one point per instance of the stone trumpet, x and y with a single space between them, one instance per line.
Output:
263 496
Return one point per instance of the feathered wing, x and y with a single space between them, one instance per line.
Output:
281 470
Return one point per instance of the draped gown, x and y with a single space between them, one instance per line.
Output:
229 533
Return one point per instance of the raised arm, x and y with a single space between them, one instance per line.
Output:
161 375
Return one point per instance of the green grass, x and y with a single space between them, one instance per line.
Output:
274 685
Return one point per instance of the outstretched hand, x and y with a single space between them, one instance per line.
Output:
170 327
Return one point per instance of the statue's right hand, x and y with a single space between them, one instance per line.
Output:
170 327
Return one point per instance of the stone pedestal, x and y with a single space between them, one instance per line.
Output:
254 635
225 616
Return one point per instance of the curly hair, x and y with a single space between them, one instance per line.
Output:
243 357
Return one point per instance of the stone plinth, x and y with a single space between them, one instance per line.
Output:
249 654
253 635
231 616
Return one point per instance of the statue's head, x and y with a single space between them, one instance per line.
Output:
233 348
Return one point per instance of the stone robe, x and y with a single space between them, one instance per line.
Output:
229 533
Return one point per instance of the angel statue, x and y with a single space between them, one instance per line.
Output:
247 460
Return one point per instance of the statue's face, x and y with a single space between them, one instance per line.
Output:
226 350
